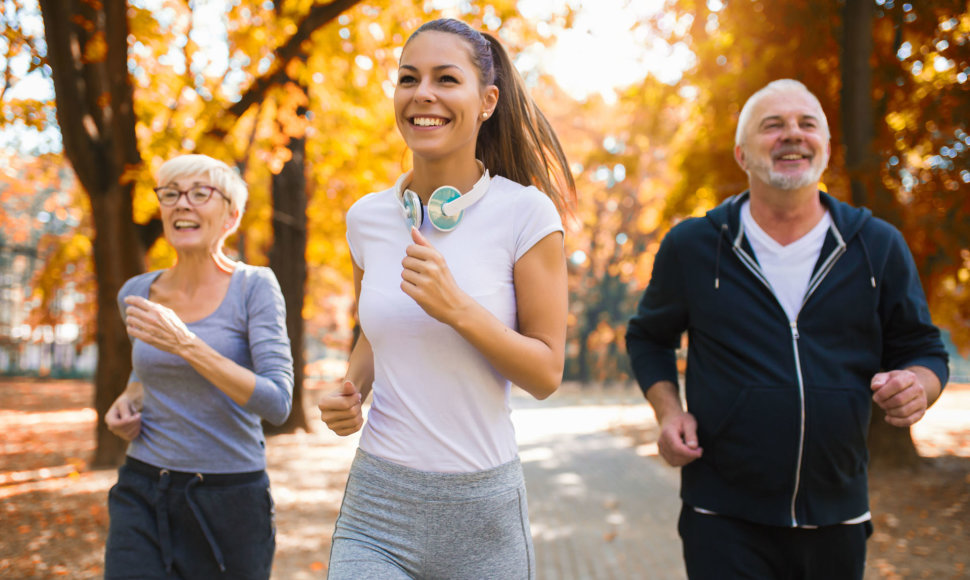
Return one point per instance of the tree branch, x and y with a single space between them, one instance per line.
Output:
121 123
292 49
65 42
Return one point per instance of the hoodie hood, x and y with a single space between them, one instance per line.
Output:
848 220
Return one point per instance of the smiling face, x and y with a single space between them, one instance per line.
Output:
786 143
439 100
202 227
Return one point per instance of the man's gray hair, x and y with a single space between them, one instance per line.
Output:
773 88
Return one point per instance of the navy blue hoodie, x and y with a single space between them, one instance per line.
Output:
782 408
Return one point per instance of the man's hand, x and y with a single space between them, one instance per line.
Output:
902 395
678 439
341 411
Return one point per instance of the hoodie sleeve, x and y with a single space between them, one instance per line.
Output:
654 333
909 336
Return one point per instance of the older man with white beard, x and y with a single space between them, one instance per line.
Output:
799 310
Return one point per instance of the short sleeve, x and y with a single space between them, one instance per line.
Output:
353 235
535 218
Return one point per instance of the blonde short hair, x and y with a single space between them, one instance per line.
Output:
221 176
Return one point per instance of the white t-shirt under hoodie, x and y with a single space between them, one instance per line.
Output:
788 268
438 404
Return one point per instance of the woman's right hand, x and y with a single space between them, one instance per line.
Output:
341 409
124 417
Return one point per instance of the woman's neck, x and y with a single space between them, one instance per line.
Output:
196 270
429 175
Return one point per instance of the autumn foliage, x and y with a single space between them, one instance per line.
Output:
323 72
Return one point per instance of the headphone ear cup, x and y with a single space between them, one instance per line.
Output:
413 211
436 211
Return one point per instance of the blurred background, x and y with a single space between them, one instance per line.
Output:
644 95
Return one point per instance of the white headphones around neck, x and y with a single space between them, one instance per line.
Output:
445 207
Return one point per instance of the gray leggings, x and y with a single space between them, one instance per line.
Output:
398 522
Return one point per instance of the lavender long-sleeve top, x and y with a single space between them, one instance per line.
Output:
187 423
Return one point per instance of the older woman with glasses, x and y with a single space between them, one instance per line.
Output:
211 359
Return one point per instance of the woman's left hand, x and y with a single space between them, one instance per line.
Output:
156 325
427 279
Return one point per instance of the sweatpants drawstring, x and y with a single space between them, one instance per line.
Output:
161 515
216 552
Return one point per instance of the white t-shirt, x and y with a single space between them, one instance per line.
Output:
787 268
438 404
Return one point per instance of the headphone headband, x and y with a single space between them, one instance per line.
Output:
446 206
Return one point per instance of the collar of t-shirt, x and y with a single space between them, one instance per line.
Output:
788 268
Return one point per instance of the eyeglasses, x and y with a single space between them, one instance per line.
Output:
197 195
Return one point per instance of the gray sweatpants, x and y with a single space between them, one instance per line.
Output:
398 522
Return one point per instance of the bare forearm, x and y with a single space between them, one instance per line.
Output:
531 362
532 357
929 380
134 390
664 397
360 366
237 382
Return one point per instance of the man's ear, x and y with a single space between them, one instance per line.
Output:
739 157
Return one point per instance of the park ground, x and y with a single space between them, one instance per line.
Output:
53 517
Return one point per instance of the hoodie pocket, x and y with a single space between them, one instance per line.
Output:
835 435
756 444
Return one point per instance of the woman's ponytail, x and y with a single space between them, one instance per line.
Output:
517 141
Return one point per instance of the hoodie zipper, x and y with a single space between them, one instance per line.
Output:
752 265
801 428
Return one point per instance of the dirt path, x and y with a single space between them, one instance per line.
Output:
587 520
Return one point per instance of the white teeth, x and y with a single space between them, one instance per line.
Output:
184 224
428 122
791 157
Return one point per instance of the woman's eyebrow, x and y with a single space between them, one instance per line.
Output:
437 68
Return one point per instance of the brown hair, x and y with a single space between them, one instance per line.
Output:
517 141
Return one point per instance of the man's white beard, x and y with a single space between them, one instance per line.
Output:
788 182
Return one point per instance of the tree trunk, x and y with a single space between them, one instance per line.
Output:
87 49
888 446
111 211
857 111
287 258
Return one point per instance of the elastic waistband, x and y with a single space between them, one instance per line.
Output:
433 485
180 478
